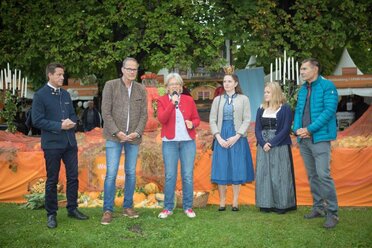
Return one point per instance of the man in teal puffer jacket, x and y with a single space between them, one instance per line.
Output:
315 126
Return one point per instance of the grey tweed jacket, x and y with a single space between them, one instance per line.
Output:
116 104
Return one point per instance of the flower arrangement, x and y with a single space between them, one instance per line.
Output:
149 79
149 75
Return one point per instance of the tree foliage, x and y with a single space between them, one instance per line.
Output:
307 28
93 36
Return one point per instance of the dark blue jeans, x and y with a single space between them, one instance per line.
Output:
53 159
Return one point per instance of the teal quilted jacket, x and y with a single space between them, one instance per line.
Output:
323 106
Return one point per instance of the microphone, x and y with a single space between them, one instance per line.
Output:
175 93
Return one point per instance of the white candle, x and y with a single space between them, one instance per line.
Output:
19 81
284 67
289 68
8 69
22 86
271 72
1 80
26 88
14 82
293 69
298 82
5 77
280 68
276 69
9 77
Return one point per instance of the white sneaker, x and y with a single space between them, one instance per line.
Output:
190 213
164 214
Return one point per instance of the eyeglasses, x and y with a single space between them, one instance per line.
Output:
130 69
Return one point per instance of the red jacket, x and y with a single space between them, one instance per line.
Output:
167 115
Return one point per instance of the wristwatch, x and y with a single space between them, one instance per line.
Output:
138 135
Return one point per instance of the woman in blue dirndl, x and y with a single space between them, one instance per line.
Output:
229 121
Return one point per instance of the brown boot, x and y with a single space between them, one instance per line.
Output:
106 218
130 213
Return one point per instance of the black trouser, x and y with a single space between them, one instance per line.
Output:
53 163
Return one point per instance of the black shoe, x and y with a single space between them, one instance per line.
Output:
314 214
77 215
52 221
235 209
221 208
279 211
331 221
266 210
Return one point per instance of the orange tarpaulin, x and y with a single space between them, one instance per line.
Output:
21 161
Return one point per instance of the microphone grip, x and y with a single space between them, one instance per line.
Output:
176 102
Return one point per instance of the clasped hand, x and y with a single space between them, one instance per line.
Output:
266 147
125 138
303 133
68 124
229 142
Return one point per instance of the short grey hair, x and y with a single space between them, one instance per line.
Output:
128 59
313 62
173 75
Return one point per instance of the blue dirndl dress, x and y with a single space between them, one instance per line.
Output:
232 165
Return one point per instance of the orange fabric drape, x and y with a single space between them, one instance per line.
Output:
351 170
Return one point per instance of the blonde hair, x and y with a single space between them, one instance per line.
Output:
277 96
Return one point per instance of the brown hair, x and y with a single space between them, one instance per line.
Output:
238 89
51 68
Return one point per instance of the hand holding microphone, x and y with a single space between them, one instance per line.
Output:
175 98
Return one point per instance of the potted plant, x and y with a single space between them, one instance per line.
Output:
9 111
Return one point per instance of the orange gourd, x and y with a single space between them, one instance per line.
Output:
138 197
151 188
119 201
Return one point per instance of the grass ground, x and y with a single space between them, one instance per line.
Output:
246 228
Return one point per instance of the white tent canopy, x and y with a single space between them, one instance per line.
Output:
345 61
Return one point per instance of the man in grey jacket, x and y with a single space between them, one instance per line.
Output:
124 112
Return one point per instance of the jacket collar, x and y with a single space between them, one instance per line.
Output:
317 81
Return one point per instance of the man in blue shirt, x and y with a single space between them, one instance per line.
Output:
54 115
315 126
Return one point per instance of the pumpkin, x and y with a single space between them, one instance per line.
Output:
151 199
159 196
151 188
138 197
94 195
140 204
119 201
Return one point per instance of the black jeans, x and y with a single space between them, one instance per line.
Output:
53 159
